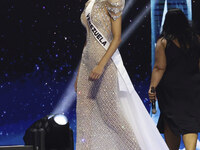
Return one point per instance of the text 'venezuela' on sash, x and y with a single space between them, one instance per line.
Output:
95 32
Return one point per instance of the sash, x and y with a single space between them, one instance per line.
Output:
122 73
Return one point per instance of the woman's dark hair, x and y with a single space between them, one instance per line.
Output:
177 26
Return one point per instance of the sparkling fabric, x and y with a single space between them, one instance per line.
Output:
100 123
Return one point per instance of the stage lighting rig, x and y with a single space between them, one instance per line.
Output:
50 133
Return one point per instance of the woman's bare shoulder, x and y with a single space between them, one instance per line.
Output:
162 42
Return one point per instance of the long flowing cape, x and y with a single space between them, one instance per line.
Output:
134 110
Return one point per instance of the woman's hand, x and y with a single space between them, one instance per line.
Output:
96 72
152 96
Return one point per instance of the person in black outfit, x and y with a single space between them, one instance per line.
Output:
177 81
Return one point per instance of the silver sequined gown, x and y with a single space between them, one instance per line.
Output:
100 124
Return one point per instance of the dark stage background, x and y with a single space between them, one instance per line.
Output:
40 47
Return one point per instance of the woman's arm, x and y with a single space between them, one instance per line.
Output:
160 65
116 31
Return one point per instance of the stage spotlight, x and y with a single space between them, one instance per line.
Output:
50 133
58 134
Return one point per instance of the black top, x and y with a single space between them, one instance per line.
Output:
178 92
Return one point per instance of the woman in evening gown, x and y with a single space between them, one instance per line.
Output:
177 80
110 114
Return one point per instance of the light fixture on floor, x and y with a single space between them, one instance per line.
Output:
50 133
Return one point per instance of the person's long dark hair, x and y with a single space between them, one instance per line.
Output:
177 26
